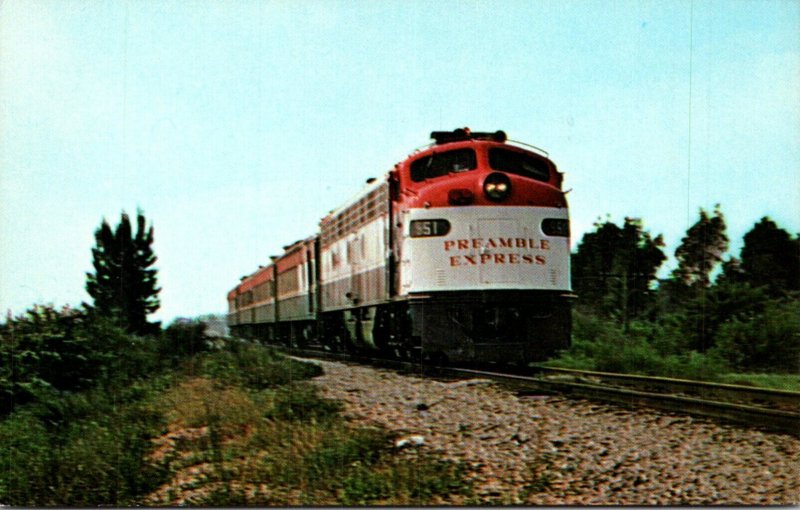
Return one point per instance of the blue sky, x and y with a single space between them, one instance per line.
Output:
235 126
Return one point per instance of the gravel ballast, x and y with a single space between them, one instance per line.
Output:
547 450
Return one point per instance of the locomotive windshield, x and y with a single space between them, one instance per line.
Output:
519 163
443 163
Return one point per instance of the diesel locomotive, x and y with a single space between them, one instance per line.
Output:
459 253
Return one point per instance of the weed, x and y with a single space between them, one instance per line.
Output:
364 486
426 479
300 402
255 367
790 382
65 458
224 496
337 454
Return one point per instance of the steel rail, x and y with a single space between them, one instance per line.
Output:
772 419
732 392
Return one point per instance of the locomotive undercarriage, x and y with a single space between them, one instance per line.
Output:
495 326
492 326
484 326
290 333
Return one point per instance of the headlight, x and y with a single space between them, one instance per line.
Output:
497 186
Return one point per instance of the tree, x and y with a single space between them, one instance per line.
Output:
123 284
732 272
771 258
47 351
613 268
701 250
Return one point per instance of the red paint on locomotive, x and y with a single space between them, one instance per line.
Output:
438 191
263 275
296 255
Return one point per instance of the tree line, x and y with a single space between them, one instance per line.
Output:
78 386
715 310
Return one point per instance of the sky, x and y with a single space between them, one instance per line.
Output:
236 125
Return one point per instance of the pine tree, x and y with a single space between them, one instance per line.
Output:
123 285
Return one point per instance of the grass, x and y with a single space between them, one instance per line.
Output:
789 382
692 367
85 450
266 438
680 368
239 426
649 348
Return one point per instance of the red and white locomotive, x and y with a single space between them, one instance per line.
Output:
460 253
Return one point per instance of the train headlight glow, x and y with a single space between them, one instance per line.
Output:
497 186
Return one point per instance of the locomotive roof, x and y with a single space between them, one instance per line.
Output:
264 273
463 136
371 185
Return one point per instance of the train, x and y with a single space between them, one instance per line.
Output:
460 253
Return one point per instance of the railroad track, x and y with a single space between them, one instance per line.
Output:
769 409
774 410
747 395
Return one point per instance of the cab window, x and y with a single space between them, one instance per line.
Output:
443 163
519 163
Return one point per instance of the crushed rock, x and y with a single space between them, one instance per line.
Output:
553 451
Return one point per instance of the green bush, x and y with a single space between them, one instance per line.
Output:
26 462
609 348
46 352
256 367
43 352
769 340
706 310
646 348
669 337
86 451
181 340
78 431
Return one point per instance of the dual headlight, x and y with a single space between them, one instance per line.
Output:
497 186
